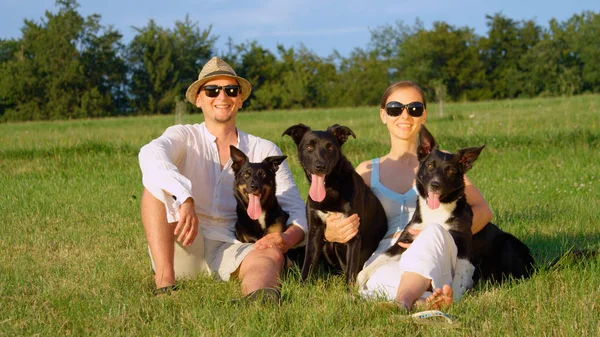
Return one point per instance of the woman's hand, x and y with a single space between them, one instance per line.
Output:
187 227
414 233
341 230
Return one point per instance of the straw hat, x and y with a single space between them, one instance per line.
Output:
214 68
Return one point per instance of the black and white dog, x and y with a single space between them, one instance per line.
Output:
441 199
336 187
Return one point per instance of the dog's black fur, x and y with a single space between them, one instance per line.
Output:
257 179
320 153
498 255
492 252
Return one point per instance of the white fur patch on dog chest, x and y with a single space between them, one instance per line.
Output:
262 221
439 215
323 215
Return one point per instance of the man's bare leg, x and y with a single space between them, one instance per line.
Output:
261 269
159 234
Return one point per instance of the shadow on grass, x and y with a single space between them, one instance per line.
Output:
547 249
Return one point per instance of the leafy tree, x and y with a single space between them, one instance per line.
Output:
387 39
259 66
45 79
57 73
8 49
164 62
444 55
68 66
293 79
362 79
549 64
289 87
193 48
154 79
507 41
582 31
105 70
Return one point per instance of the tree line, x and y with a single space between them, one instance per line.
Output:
70 66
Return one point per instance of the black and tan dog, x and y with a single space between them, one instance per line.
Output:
336 187
441 199
257 209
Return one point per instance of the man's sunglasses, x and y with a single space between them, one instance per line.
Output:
395 109
214 90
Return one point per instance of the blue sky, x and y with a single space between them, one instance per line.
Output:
321 25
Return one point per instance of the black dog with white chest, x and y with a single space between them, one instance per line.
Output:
441 199
258 212
336 187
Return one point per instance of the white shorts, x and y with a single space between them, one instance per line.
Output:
432 255
224 258
203 255
188 261
208 256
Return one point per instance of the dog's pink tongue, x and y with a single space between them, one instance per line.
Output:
317 188
433 200
254 209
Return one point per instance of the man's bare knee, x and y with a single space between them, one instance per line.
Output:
153 210
264 258
275 255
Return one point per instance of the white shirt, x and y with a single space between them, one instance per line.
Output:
184 162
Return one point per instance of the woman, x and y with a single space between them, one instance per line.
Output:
423 274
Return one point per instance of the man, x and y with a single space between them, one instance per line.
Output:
188 206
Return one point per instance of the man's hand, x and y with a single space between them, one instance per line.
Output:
341 230
292 236
187 227
414 233
272 240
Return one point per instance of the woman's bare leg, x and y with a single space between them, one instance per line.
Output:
412 286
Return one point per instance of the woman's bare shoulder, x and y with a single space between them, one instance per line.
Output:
364 170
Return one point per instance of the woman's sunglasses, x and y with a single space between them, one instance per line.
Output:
214 90
395 109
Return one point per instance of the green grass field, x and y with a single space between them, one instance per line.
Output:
74 260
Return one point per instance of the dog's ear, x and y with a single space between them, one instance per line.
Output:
238 157
274 162
468 156
296 132
341 133
426 143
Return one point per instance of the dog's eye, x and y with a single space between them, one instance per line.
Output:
310 147
330 147
246 175
430 166
262 173
451 170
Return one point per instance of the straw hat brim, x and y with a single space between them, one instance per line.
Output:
193 88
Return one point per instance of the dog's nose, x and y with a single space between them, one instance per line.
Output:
320 167
253 185
435 185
